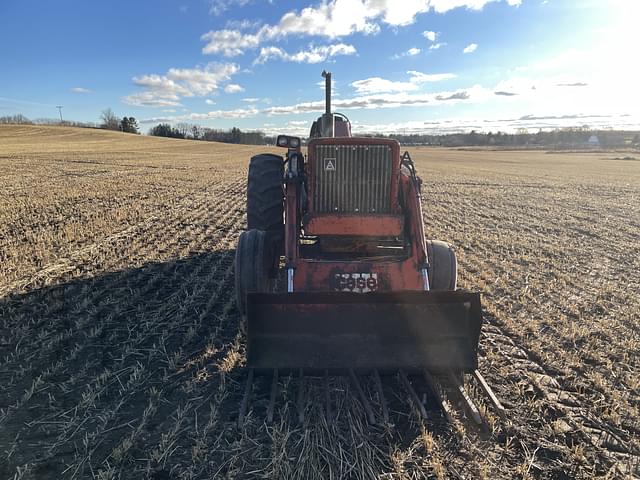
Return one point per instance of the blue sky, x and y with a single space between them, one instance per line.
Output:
398 66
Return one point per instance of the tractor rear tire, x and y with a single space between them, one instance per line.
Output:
443 266
265 196
251 266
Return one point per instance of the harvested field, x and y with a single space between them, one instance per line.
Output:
121 351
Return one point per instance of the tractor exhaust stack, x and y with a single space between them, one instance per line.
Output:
327 92
327 121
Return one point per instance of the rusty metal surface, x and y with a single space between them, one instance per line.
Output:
383 225
415 395
435 389
323 275
469 404
490 394
384 331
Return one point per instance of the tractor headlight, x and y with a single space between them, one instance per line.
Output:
287 141
283 141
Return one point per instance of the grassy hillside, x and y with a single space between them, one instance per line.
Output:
104 145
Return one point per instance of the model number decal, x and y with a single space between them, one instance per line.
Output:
356 282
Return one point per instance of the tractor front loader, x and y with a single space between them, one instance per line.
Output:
365 293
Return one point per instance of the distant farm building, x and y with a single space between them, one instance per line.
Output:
593 141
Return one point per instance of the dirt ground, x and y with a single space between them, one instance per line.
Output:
121 351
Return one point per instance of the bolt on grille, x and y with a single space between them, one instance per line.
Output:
352 179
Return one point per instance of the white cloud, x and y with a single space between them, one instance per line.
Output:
379 85
208 101
232 42
429 35
216 7
215 114
409 53
443 6
311 55
237 113
437 46
388 100
331 19
168 89
203 81
233 88
80 90
470 48
382 85
251 100
550 87
152 99
419 77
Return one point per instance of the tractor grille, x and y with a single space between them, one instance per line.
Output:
352 179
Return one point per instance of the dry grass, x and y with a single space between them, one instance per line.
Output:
120 344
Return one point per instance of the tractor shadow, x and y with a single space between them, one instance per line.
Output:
81 358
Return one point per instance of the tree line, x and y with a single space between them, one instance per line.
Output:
109 121
562 138
573 137
196 132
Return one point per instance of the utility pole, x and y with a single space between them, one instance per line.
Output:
59 107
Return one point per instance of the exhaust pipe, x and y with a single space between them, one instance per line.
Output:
327 119
327 92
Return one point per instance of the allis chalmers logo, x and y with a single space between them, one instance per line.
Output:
330 164
356 282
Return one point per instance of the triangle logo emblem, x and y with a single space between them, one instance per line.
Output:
330 164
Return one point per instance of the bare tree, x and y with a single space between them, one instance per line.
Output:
196 132
109 120
183 129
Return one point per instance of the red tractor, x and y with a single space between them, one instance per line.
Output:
364 290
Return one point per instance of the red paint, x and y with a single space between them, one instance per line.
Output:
318 275
353 224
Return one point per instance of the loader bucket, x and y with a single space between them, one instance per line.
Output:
385 331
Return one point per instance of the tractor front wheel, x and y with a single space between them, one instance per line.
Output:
443 266
251 266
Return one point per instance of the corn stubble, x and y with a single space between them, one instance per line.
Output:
121 350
